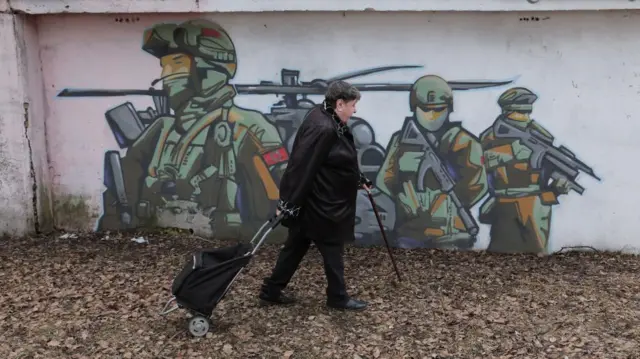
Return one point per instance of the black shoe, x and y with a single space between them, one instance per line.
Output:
351 304
280 299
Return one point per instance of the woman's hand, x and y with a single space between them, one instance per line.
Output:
365 183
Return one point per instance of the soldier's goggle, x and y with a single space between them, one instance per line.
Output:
524 112
435 108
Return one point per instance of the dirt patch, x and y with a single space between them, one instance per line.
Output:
92 298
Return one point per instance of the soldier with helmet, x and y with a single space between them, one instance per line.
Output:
428 217
519 206
203 164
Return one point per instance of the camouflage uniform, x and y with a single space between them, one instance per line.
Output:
198 167
429 218
518 210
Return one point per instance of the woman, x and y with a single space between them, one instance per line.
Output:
318 197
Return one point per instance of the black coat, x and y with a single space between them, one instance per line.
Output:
319 187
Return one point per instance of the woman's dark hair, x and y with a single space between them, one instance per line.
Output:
340 90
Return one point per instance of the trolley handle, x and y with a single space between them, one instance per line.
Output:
276 219
271 223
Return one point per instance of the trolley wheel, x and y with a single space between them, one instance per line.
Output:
199 326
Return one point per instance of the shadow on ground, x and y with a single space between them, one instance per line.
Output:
90 297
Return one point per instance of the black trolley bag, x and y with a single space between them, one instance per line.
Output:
207 276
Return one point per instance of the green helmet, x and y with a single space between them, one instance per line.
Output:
431 90
518 99
206 41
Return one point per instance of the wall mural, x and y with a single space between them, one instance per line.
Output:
527 174
198 161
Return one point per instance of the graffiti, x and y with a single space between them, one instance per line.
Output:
433 171
198 161
526 173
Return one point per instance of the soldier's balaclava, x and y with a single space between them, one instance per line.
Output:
179 86
432 120
520 116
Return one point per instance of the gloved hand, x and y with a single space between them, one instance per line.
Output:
562 186
290 210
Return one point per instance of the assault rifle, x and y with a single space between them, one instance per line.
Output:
431 160
556 163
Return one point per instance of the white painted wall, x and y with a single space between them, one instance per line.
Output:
205 6
584 66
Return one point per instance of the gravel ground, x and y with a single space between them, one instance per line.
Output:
91 297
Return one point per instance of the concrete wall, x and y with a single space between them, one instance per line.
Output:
24 184
582 66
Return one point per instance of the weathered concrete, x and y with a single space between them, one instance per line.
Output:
16 197
204 6
35 114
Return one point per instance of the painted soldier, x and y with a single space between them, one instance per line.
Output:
426 215
519 206
210 166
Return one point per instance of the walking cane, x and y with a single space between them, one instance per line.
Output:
384 236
